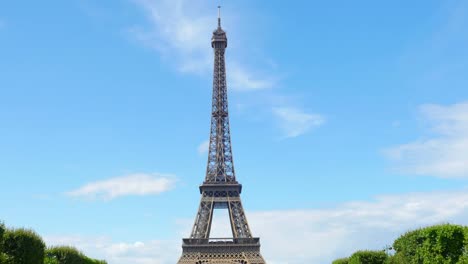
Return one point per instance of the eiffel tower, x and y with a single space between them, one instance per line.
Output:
220 190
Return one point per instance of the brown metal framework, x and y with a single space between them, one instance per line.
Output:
220 188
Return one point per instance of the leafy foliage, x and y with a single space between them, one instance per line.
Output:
3 257
396 259
68 255
464 258
439 244
22 246
368 257
2 232
341 261
50 260
442 244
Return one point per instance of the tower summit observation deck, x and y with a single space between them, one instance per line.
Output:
220 190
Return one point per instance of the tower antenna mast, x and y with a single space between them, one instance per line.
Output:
219 16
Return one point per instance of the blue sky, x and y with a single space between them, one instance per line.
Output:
349 121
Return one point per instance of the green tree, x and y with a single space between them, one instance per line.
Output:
464 257
22 246
68 255
396 259
463 260
341 261
50 260
368 257
440 244
2 232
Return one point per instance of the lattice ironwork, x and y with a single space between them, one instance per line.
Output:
220 168
220 188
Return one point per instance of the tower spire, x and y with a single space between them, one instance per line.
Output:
219 16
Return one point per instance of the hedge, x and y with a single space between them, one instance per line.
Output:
439 244
464 257
443 244
341 261
2 232
23 246
68 255
395 259
50 260
463 260
368 257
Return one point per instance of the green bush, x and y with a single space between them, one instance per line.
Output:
2 232
396 259
463 260
444 244
50 260
22 246
406 246
341 261
68 255
65 255
465 249
464 257
368 257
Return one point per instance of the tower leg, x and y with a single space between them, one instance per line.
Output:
239 225
202 225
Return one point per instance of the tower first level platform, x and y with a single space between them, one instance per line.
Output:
221 251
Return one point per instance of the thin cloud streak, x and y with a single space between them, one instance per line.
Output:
177 32
203 147
445 154
294 122
134 184
242 80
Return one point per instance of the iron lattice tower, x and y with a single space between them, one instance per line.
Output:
220 188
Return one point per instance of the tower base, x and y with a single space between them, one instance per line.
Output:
221 251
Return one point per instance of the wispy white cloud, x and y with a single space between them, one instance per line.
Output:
443 155
203 147
242 80
177 32
294 122
134 184
312 235
319 236
181 30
